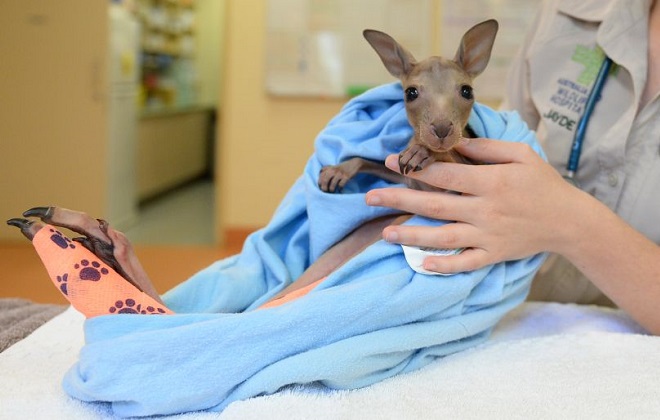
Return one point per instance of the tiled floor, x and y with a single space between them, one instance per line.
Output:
182 217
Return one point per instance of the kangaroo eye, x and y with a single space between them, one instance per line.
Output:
466 92
411 94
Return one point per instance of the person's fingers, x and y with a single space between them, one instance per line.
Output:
436 205
469 260
494 151
449 236
459 177
443 175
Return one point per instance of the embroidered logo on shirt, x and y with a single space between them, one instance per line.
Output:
570 97
591 59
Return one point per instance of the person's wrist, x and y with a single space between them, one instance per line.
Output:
579 224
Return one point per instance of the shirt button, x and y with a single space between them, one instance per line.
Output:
613 180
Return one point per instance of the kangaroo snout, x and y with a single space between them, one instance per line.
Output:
438 136
442 130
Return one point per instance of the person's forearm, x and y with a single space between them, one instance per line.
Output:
620 261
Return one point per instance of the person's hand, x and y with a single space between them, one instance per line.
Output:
514 207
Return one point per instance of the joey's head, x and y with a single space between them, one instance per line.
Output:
438 91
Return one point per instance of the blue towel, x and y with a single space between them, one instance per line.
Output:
371 319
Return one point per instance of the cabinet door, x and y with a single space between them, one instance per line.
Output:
53 112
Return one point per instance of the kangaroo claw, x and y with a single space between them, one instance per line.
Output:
76 221
28 227
44 213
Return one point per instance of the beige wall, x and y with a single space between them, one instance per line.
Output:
210 38
264 142
53 113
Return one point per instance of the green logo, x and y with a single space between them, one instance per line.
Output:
591 59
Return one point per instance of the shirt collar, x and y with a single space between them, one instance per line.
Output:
587 10
598 10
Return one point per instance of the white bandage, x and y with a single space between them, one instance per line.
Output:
415 257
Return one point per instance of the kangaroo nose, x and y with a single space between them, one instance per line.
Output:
442 130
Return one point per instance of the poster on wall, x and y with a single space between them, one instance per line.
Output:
316 47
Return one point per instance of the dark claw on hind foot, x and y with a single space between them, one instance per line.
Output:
40 212
28 227
19 223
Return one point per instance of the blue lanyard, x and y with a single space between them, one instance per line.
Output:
581 129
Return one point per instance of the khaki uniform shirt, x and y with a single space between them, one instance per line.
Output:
549 84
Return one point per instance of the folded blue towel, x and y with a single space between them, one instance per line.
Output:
371 319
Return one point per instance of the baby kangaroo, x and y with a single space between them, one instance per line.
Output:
438 98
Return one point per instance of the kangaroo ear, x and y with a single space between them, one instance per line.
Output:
477 43
397 60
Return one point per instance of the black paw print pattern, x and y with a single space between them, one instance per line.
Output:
61 240
62 281
90 270
129 306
